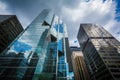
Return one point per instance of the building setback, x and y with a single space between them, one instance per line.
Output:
79 66
39 53
101 52
10 28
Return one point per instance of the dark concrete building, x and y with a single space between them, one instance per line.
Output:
101 52
10 28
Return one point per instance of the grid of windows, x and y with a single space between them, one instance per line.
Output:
79 66
10 28
101 51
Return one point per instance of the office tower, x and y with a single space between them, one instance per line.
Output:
101 52
39 53
79 66
68 54
10 28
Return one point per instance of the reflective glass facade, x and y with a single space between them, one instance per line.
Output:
39 53
101 51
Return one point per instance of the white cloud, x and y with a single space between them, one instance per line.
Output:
94 11
113 27
90 12
73 43
23 19
4 10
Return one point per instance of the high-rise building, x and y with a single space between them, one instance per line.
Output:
68 54
101 52
10 28
79 66
39 53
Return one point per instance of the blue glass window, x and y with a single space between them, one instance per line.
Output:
60 27
60 45
21 46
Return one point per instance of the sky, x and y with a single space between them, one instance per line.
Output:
72 12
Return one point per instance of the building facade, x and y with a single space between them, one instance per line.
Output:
101 52
68 54
10 28
39 53
79 66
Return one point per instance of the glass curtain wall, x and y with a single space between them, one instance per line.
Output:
101 51
38 53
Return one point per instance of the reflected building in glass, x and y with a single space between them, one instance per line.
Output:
101 52
39 53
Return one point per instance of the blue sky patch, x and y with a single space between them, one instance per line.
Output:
117 10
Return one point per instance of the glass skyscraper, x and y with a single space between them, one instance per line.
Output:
101 52
39 53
